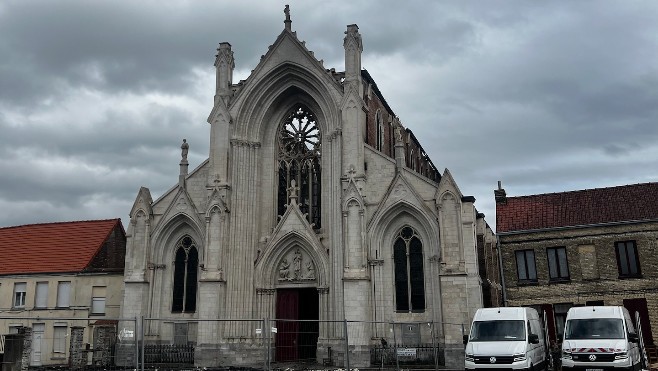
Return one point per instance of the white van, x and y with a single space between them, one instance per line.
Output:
600 338
506 337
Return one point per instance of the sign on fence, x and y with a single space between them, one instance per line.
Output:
126 334
406 352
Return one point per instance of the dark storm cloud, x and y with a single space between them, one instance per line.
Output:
95 97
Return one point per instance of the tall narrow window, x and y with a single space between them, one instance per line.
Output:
185 276
20 289
558 269
380 131
299 161
41 297
98 299
59 338
63 294
525 266
409 276
628 261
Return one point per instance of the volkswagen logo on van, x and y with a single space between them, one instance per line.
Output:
492 360
592 357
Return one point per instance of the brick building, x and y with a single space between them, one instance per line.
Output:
586 247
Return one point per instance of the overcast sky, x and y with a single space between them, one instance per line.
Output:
96 96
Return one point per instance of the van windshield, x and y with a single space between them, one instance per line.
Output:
498 330
594 328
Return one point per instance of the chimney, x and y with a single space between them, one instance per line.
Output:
500 195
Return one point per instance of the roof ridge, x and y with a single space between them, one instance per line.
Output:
66 222
583 190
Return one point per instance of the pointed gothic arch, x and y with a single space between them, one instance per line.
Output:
186 272
299 142
268 267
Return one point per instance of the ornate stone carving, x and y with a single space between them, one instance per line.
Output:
296 267
399 191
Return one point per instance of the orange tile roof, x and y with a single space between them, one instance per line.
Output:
632 202
52 247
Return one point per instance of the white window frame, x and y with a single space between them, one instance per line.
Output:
60 331
63 294
41 295
20 293
98 305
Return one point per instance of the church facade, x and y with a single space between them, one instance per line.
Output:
314 203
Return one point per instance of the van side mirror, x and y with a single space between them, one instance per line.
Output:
560 337
465 339
533 339
633 338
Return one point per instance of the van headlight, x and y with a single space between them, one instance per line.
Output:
621 355
566 354
470 357
519 357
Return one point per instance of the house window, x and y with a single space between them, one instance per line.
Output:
98 299
13 328
20 289
299 164
628 261
59 338
409 276
41 295
558 269
525 266
63 294
185 276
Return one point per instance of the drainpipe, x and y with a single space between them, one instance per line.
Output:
500 268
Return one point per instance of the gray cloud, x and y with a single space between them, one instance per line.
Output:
95 97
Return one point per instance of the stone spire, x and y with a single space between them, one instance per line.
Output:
353 49
224 64
287 22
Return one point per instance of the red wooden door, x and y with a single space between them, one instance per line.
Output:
287 308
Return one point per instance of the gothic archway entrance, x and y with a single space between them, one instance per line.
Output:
297 324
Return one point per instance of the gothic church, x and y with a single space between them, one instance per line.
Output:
315 203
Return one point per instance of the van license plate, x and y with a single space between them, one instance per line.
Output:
593 369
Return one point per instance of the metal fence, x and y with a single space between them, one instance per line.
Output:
186 344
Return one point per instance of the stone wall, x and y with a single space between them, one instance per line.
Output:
592 264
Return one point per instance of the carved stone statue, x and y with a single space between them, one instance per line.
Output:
184 148
297 264
286 11
284 270
310 270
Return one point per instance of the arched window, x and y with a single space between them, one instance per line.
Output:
299 160
409 276
185 276
380 131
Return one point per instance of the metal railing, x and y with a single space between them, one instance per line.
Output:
183 344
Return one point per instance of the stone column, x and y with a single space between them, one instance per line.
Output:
27 347
78 357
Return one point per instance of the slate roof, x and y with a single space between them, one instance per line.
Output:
633 202
52 247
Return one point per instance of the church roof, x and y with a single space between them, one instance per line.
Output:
635 202
52 247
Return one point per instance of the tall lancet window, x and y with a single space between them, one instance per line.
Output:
185 276
409 277
299 160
